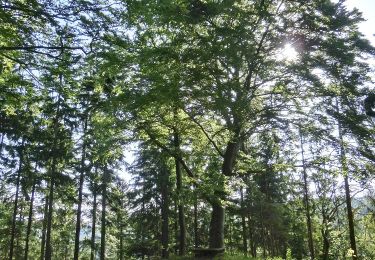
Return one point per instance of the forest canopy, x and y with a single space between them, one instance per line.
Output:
133 129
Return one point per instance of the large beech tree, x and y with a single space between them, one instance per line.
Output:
226 60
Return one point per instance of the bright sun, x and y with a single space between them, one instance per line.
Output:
288 53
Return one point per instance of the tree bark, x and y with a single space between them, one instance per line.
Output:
216 239
345 173
29 221
349 209
121 255
103 220
14 217
307 202
80 192
165 214
181 214
243 222
93 225
48 255
196 234
44 229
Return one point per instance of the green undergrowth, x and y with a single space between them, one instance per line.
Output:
226 257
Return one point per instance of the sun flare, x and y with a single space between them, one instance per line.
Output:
288 52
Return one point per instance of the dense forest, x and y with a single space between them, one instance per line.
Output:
185 129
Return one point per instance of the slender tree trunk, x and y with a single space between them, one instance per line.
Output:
44 229
181 214
29 221
14 218
350 217
1 144
307 202
48 255
165 214
21 217
345 172
251 237
196 234
80 192
243 222
176 230
103 220
121 241
93 225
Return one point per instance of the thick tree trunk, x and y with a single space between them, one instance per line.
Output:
14 217
180 204
80 192
29 221
326 244
103 220
243 222
93 225
165 214
217 226
44 229
307 203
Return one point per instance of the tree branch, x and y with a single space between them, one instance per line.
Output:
31 48
171 153
205 133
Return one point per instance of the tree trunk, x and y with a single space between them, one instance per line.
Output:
216 239
93 225
196 235
1 144
345 173
350 217
121 255
29 221
181 214
251 237
165 214
44 228
216 233
80 191
326 243
243 222
14 217
21 217
307 203
103 220
48 255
